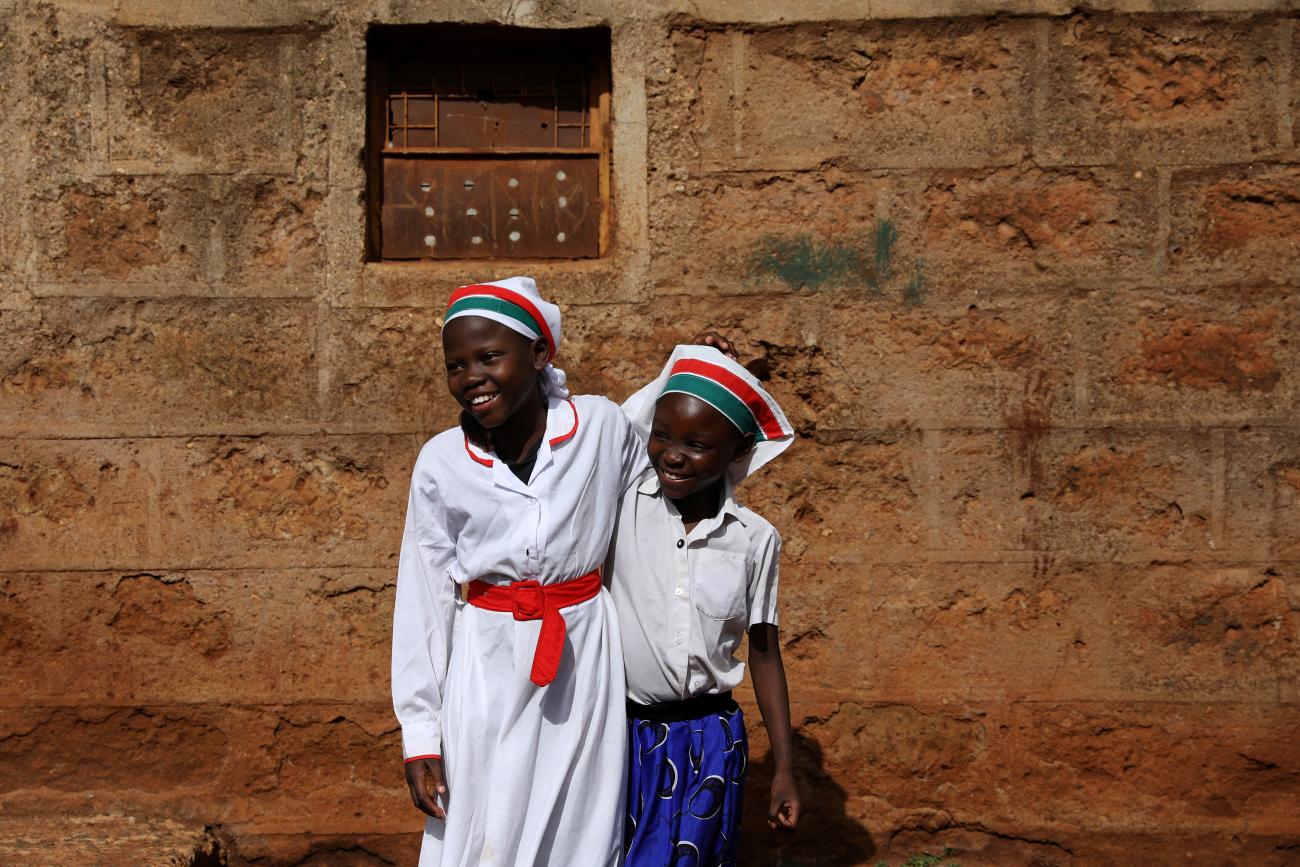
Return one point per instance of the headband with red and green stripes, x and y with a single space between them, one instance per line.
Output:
744 406
513 309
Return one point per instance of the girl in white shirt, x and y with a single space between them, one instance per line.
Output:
691 573
507 676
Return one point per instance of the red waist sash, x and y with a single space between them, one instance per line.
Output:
529 600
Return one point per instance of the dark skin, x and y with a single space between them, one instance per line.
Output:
492 372
485 438
691 447
767 672
485 360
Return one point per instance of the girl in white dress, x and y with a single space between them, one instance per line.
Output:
507 670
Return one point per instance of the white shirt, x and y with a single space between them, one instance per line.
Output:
684 600
471 517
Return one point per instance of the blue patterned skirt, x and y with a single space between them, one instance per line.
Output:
685 784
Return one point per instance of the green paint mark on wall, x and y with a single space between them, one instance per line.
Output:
886 235
805 262
802 262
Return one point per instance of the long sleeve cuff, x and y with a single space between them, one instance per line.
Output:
424 739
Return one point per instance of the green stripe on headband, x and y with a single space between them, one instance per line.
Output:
719 398
471 304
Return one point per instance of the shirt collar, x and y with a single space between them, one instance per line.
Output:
561 420
649 483
562 425
650 487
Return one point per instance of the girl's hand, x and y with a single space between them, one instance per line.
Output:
718 342
783 810
425 779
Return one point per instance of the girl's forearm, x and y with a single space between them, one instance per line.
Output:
767 672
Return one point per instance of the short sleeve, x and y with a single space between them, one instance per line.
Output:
764 578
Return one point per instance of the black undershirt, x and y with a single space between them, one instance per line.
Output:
523 470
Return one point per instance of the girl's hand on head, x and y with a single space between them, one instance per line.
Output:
783 809
718 342
425 779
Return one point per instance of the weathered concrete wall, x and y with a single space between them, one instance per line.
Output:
1026 283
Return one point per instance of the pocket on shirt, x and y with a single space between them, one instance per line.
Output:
721 587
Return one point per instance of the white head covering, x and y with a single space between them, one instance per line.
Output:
516 304
705 373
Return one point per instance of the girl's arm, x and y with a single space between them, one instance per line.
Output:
767 671
423 614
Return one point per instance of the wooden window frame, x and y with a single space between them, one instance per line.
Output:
386 44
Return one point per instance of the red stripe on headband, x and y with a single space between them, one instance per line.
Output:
514 298
762 412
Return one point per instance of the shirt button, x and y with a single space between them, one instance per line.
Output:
679 638
681 543
677 592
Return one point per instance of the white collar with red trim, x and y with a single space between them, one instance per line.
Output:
561 426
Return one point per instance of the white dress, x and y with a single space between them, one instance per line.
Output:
535 775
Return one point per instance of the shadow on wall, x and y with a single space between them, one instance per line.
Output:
826 836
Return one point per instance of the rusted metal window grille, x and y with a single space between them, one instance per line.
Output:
489 153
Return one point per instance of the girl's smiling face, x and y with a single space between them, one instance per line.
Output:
692 444
491 370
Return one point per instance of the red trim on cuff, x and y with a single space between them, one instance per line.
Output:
417 758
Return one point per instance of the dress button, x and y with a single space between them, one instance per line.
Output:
681 543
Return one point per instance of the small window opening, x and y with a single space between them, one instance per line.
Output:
487 142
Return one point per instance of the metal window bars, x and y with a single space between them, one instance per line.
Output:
480 102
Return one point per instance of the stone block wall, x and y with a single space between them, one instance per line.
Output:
1024 275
